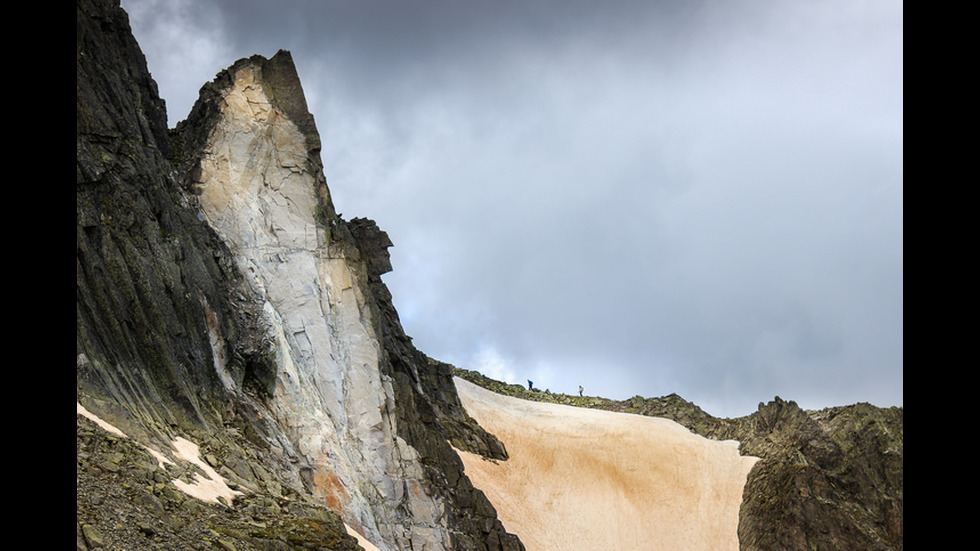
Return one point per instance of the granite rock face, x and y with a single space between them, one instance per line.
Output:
221 299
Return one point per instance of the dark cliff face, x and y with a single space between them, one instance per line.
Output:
154 281
150 276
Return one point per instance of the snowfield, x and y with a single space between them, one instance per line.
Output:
587 479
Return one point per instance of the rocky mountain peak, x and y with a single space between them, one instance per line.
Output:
223 302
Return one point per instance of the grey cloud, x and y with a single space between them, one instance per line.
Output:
639 197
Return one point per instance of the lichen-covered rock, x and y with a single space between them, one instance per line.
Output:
154 283
830 479
123 501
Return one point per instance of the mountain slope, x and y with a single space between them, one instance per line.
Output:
222 301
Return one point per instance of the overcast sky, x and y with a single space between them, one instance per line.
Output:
639 197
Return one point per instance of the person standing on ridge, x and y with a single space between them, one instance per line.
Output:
580 390
530 385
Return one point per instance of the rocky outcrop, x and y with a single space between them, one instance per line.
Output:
127 499
222 300
829 479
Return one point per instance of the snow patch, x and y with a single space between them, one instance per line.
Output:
211 488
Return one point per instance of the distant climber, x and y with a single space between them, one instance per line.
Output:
530 385
580 390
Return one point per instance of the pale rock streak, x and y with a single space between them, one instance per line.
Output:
331 399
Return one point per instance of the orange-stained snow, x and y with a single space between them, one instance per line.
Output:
587 479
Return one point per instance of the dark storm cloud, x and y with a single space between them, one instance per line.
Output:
639 197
